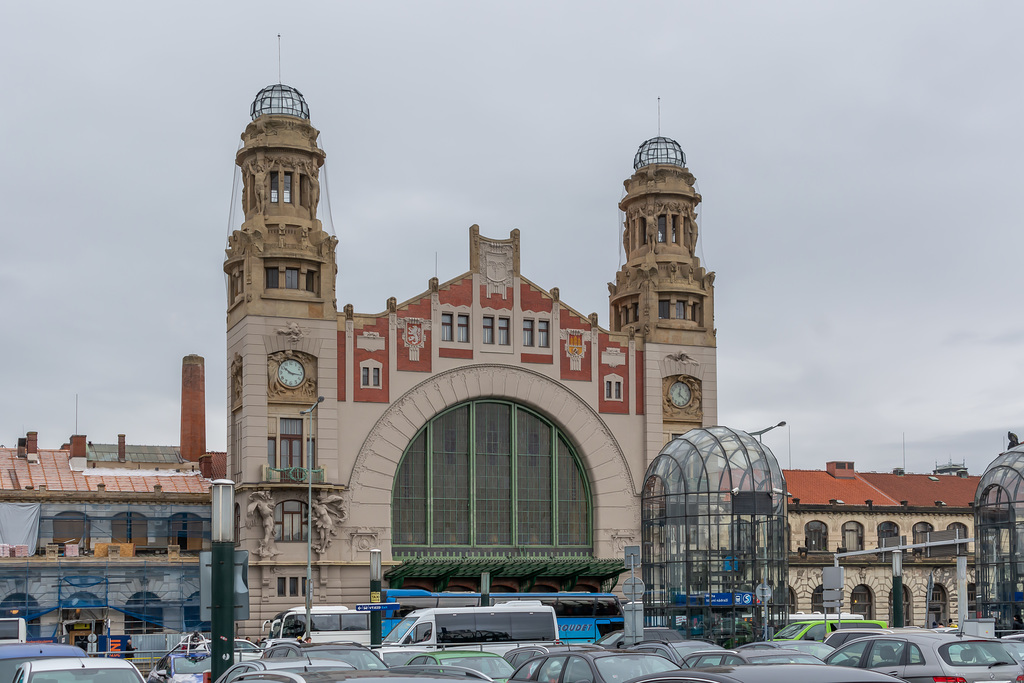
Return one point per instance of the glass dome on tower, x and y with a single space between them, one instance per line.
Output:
999 538
713 527
659 151
279 99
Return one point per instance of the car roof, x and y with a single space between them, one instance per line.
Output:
444 654
776 673
12 650
82 662
325 676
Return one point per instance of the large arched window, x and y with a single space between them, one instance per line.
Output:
853 536
290 521
962 532
491 473
130 527
143 613
921 531
887 530
71 527
862 602
816 536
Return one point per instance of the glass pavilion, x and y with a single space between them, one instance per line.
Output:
714 527
999 539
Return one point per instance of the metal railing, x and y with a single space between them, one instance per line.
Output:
291 475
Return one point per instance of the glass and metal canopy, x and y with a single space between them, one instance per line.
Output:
999 538
659 151
279 99
714 527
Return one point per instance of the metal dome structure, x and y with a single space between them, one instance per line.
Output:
279 99
999 538
659 150
714 526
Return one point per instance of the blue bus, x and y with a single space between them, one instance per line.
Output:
582 617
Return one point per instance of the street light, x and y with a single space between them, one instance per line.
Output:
759 432
222 582
309 513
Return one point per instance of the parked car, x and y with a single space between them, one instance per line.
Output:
817 629
79 669
517 656
927 656
359 656
614 639
711 658
13 654
398 656
243 648
675 650
846 634
811 647
250 666
780 673
180 667
489 663
593 666
320 676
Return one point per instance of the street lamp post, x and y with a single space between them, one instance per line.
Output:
309 513
761 432
222 571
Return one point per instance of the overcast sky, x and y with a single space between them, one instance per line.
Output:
860 165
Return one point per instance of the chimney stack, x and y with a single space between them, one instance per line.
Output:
120 449
193 407
78 449
32 442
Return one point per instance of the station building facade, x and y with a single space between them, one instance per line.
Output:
482 424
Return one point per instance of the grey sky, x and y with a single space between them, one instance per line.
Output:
858 163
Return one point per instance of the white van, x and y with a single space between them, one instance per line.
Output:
495 629
12 630
330 624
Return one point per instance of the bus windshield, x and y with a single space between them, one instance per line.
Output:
400 630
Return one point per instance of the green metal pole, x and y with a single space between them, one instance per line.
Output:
897 589
375 586
222 608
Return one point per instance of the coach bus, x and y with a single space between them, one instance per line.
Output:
582 617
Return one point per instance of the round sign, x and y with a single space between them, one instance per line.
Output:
764 592
92 638
633 588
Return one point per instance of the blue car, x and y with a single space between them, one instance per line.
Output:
180 667
13 654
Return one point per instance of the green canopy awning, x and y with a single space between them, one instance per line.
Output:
566 570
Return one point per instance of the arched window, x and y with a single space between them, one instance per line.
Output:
290 521
130 527
26 607
793 607
818 599
71 527
862 602
921 531
143 613
961 532
853 536
938 606
490 473
186 531
887 530
816 536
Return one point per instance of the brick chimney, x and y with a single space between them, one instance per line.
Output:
121 457
841 470
78 449
193 407
32 442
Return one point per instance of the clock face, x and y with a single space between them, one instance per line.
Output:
291 373
680 394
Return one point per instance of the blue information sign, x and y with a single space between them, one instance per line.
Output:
744 598
376 606
721 599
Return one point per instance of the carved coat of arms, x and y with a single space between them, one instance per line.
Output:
574 348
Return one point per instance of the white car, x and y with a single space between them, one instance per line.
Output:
77 670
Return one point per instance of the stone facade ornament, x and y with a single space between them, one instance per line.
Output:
236 380
261 513
414 335
330 510
575 349
293 332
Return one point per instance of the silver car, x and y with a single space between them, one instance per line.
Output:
930 657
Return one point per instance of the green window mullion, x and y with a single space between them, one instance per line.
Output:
553 450
514 472
471 436
428 451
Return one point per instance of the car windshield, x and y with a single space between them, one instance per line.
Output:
791 631
80 675
626 667
360 659
190 665
400 630
975 653
495 667
781 658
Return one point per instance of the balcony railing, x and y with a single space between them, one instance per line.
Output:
291 475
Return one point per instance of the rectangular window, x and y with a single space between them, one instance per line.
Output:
607 388
281 588
503 335
291 278
291 442
463 328
293 585
311 281
527 333
376 377
273 186
272 278
663 308
446 327
636 312
543 340
662 229
675 229
272 452
287 189
488 329
681 310
613 389
618 391
366 377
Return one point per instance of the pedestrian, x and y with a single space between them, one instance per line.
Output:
308 639
1017 623
129 649
935 623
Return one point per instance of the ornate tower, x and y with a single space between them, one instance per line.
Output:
282 327
662 294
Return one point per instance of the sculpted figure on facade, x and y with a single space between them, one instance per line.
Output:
236 379
261 513
329 512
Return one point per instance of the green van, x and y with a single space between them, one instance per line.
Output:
817 629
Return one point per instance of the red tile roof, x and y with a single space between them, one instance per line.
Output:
925 489
54 471
817 487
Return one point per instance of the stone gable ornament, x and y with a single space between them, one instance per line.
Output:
575 348
414 335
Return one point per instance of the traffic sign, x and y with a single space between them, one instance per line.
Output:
832 595
376 606
632 556
743 598
633 588
763 592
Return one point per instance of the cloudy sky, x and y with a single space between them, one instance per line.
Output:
860 165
